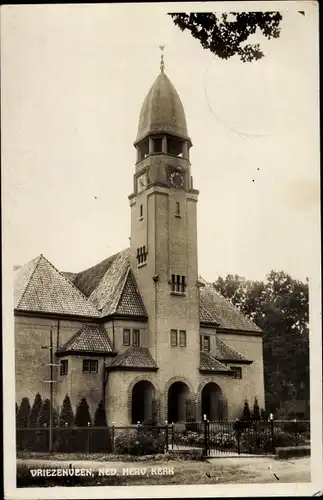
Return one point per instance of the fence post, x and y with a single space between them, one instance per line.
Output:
205 435
138 437
238 434
166 428
112 439
295 422
172 435
271 420
88 437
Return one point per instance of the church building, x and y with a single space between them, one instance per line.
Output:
141 330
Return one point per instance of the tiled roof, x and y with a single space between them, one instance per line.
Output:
69 276
90 338
225 352
134 357
130 301
40 287
209 363
87 281
205 317
223 311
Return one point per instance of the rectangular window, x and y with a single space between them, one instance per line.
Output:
201 343
178 283
141 255
237 371
178 208
90 366
141 212
126 337
206 343
64 367
136 337
173 338
182 338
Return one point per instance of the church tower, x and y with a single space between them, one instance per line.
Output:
164 231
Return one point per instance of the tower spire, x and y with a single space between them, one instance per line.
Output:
162 64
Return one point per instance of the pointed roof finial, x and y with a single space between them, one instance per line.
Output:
162 65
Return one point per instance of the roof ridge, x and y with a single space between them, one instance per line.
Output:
70 283
41 256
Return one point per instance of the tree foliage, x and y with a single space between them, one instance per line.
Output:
66 415
44 415
23 413
100 419
279 306
226 34
82 415
35 409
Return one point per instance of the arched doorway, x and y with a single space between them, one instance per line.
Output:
178 397
213 402
143 403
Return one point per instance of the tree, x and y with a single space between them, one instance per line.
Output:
66 415
256 410
279 306
44 415
82 415
35 409
100 419
226 34
23 413
246 415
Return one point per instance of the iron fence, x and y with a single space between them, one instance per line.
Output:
211 438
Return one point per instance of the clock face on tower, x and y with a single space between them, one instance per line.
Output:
177 179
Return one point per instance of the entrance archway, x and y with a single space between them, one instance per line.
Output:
213 402
143 398
178 397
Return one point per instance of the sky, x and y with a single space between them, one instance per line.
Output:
74 78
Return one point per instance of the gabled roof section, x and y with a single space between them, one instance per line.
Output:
107 294
223 311
87 281
134 358
40 287
224 352
209 364
90 338
130 302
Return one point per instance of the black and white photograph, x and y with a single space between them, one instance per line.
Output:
161 250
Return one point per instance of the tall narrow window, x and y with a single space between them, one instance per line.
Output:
136 337
178 283
173 338
141 212
201 343
64 367
173 282
182 338
157 145
126 337
178 208
141 255
183 284
206 343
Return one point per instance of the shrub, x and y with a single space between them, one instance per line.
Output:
147 442
35 409
23 413
296 427
82 415
256 410
223 440
100 438
192 426
66 415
